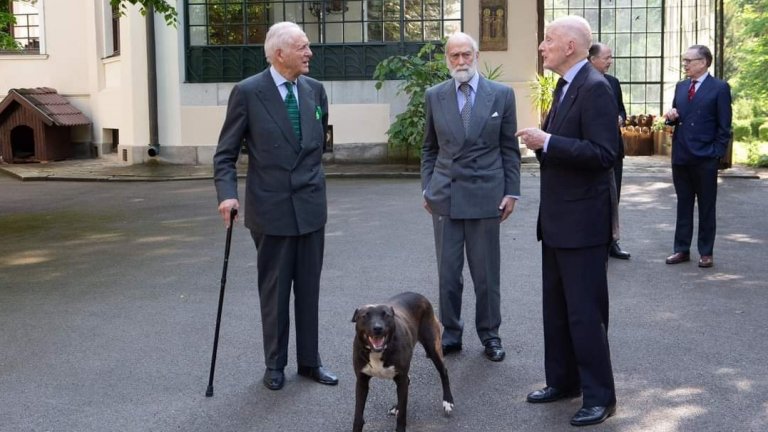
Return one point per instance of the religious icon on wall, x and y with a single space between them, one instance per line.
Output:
493 25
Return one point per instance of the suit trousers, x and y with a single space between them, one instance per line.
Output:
575 297
283 262
696 183
618 173
481 239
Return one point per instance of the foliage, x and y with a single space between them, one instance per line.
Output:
755 157
161 7
492 73
748 53
541 96
7 42
762 132
659 124
755 123
418 72
741 130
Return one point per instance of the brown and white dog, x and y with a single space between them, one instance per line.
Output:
386 335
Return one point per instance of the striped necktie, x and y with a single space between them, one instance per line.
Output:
293 109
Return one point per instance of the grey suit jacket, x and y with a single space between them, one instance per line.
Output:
466 175
285 185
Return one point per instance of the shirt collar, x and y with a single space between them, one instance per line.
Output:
701 79
279 79
571 74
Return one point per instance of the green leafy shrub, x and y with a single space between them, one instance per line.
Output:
755 124
755 157
762 132
418 72
742 130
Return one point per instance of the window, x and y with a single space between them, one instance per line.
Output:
647 38
115 30
633 29
20 28
349 37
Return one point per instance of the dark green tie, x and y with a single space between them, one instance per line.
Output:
293 109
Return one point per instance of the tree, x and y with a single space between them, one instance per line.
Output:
751 52
161 7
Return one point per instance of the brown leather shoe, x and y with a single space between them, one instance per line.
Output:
678 257
706 261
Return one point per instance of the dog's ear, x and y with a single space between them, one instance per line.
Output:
354 316
391 311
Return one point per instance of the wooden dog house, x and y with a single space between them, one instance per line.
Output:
35 125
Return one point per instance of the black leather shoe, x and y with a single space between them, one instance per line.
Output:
318 374
494 351
593 415
274 379
451 348
678 257
615 251
551 394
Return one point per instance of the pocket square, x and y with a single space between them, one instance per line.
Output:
495 114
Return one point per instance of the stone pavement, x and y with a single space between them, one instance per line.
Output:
108 168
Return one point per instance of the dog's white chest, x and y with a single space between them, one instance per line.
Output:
375 367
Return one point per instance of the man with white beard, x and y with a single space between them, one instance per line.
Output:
470 174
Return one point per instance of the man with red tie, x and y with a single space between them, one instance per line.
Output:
701 114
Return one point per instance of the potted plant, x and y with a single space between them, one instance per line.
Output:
543 88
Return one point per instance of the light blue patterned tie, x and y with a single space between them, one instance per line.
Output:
293 110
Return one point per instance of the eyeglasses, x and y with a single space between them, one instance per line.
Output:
688 61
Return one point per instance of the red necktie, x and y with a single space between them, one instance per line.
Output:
692 89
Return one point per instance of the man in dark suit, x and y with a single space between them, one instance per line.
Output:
282 117
701 113
577 150
470 174
601 58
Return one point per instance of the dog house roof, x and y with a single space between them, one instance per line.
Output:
51 106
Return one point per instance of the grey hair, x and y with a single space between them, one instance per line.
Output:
455 37
280 35
703 51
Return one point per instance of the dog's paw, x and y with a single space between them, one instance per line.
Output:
447 407
393 411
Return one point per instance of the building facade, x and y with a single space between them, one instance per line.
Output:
100 61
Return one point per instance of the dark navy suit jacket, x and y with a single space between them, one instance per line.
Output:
575 208
703 129
616 87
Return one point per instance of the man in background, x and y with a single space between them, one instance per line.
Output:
701 114
601 57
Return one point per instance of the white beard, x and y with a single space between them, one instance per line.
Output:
463 76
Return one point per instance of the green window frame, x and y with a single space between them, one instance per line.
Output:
224 38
